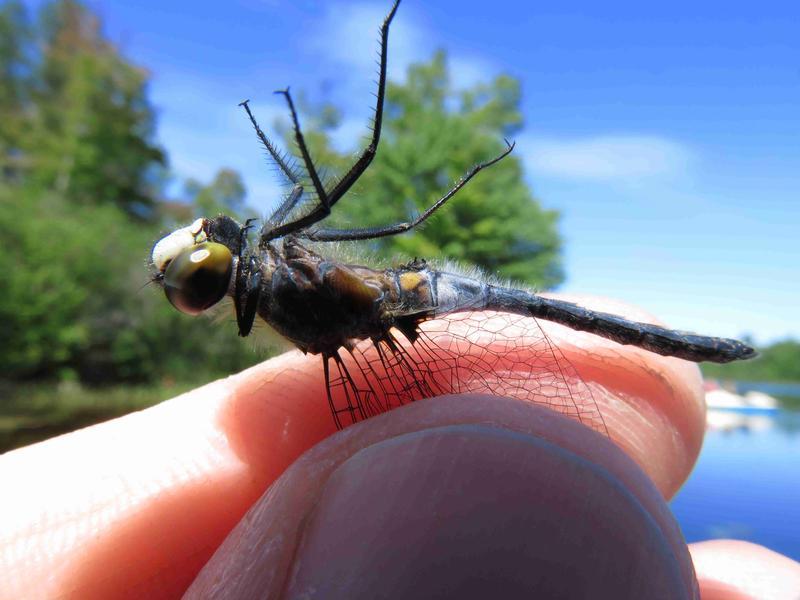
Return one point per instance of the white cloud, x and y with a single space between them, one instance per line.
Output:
610 157
348 34
212 132
351 133
467 71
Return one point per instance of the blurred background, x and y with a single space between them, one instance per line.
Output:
657 162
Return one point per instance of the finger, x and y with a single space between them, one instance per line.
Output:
653 406
144 500
732 570
462 497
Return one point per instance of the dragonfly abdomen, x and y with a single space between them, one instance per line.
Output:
456 293
654 338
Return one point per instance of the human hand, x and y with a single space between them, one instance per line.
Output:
136 506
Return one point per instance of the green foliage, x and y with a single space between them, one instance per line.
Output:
79 171
779 362
74 299
86 130
58 270
432 135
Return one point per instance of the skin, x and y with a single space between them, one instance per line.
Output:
458 494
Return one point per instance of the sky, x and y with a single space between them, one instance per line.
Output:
667 135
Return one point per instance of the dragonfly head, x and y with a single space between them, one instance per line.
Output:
193 268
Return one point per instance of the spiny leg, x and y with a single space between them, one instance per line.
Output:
340 235
327 200
354 397
369 152
280 159
280 213
309 164
241 279
277 217
375 382
388 367
399 373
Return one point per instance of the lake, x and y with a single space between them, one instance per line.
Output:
746 484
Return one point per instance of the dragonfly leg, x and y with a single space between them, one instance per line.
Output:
280 213
328 199
322 195
287 169
340 235
248 289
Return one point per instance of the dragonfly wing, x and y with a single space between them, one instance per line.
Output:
472 352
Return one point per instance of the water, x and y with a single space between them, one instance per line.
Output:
746 484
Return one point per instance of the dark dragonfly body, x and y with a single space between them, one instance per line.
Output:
324 306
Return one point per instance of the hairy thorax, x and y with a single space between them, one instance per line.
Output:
322 305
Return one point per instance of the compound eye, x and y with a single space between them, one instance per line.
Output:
198 277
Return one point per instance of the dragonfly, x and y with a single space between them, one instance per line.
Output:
391 336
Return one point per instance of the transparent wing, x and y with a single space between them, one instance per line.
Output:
493 353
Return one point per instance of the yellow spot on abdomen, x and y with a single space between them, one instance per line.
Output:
410 280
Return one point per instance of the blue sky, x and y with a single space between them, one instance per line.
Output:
668 136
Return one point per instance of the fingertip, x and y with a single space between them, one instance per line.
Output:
275 411
733 569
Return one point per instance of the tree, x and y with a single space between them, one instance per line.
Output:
62 279
780 361
224 195
432 135
92 128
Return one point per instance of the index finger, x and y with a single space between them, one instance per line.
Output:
141 502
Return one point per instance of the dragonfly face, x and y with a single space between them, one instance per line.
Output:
194 271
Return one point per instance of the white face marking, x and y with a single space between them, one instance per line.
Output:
176 242
199 256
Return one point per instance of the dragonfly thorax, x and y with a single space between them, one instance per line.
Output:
317 303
